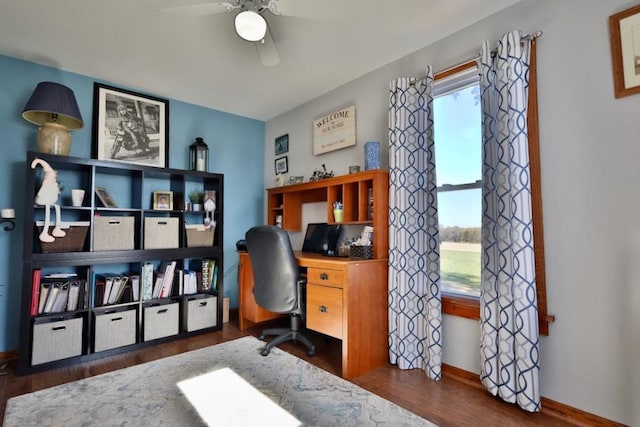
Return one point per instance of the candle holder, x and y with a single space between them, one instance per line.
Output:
11 224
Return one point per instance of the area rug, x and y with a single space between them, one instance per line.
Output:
225 384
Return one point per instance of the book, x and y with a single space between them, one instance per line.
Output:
146 279
214 281
207 274
108 285
190 280
134 280
35 292
123 286
167 279
114 292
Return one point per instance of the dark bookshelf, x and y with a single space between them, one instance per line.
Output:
132 187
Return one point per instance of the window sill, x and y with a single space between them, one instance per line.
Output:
466 307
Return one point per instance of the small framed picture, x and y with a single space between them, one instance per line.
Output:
282 165
282 144
105 198
625 51
163 200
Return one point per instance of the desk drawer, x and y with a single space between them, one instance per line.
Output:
324 276
324 310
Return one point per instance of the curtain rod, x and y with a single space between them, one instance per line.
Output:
532 36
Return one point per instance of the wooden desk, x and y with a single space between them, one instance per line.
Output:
346 299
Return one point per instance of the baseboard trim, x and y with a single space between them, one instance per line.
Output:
6 356
548 407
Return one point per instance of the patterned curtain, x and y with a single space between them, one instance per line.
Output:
415 307
508 306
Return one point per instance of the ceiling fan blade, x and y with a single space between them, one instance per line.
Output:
306 9
267 50
199 9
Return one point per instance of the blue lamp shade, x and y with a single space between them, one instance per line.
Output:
50 99
53 107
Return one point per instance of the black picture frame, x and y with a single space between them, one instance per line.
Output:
282 165
130 127
282 144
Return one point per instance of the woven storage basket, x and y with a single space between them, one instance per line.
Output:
361 252
199 235
72 242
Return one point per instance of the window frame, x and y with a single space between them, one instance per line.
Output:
467 307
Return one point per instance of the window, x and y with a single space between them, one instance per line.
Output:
458 144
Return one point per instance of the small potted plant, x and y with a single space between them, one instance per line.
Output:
197 198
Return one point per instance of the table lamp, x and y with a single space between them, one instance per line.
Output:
53 107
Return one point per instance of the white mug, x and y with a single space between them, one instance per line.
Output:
77 196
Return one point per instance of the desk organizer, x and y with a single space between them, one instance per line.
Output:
361 252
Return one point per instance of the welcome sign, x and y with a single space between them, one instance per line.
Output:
335 131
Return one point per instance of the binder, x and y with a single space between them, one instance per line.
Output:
51 296
60 303
44 293
75 289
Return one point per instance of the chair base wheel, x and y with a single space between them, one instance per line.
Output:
265 351
311 352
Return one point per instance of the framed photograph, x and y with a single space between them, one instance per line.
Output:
282 165
624 29
105 197
130 127
163 200
282 144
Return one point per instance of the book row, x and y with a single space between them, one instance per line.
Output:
61 292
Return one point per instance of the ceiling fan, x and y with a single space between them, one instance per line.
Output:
250 23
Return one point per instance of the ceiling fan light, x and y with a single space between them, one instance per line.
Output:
250 25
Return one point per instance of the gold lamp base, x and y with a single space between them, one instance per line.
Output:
54 138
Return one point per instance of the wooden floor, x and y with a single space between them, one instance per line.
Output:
449 402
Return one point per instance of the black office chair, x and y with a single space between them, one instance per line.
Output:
277 282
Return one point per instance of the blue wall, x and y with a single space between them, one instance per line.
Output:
236 149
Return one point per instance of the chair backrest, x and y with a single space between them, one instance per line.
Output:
275 269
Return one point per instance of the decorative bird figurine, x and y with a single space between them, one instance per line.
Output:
48 196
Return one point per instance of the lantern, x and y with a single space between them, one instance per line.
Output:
198 155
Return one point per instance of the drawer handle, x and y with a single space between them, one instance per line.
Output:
323 309
203 304
58 328
115 319
114 222
164 310
324 276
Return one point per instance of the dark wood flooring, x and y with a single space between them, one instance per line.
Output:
449 402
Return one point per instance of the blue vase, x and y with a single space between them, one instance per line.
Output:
372 155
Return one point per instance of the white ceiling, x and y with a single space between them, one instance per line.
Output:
199 59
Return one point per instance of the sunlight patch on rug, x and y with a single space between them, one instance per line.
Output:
237 403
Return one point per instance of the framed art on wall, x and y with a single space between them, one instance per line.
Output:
282 144
624 29
282 165
130 127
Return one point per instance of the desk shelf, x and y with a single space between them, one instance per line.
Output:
364 195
